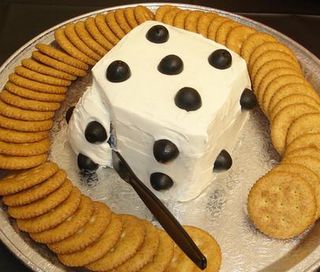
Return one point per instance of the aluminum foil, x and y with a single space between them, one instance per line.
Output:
221 209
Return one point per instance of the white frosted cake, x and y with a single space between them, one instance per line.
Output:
172 99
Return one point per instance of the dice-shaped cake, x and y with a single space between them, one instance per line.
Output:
169 101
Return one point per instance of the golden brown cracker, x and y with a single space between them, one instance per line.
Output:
54 217
161 11
204 22
27 179
27 115
266 68
214 25
281 205
142 14
208 246
25 149
163 256
27 104
18 137
20 163
46 70
271 56
270 46
307 156
269 77
37 191
34 95
303 141
36 86
75 39
275 85
67 46
88 40
70 226
122 21
237 36
169 16
224 30
191 21
252 42
26 126
131 239
129 15
305 173
113 25
58 64
145 253
92 28
293 99
180 18
43 205
88 234
27 73
98 249
305 124
290 89
61 56
282 122
102 25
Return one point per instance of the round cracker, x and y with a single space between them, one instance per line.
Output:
21 163
180 18
113 25
224 30
122 21
131 19
132 237
169 16
145 253
36 192
25 149
281 205
208 246
54 217
237 36
252 42
191 21
27 179
293 99
204 22
282 122
289 89
276 85
142 14
161 11
214 25
70 226
88 234
163 256
306 140
98 249
102 25
13 136
311 177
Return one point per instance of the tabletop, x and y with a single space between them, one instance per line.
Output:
21 20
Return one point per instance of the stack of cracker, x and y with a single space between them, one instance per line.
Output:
87 233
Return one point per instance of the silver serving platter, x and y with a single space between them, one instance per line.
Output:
221 209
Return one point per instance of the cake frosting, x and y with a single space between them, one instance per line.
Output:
147 106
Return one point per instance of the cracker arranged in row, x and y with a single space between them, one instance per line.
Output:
84 233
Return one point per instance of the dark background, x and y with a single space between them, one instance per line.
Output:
21 20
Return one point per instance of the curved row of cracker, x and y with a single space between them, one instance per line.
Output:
42 200
86 233
286 201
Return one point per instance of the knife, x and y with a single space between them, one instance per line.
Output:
161 213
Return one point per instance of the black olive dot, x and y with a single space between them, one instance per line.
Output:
170 65
95 132
165 150
220 59
158 34
118 71
69 114
86 164
248 100
188 99
223 161
160 181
